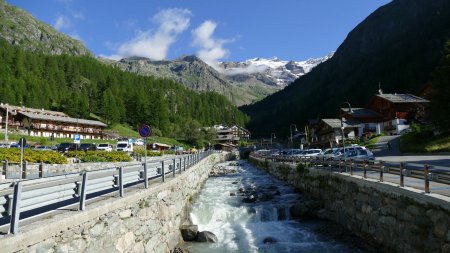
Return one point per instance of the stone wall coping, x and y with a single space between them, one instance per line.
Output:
43 229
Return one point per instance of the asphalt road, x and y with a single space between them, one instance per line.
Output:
382 153
436 160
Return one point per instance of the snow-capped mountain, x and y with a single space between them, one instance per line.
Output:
272 71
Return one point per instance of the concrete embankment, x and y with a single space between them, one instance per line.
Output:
144 220
397 219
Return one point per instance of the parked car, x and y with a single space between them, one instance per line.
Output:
87 147
139 142
124 146
328 154
67 146
5 145
105 147
356 152
43 148
311 153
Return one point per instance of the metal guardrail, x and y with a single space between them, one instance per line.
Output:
427 173
28 198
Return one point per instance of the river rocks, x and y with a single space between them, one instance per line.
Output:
232 194
249 199
220 170
180 250
305 208
206 236
298 210
269 240
189 232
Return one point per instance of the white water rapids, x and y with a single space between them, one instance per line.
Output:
243 227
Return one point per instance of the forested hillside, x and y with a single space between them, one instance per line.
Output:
82 85
398 46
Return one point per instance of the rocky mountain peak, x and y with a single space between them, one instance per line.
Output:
21 29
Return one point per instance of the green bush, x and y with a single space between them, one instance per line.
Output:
141 152
100 156
32 156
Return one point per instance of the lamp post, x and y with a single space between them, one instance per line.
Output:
6 124
292 140
343 127
272 136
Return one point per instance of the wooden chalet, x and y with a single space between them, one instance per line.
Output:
398 110
231 135
370 120
329 132
46 123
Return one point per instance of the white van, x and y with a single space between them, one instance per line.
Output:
124 146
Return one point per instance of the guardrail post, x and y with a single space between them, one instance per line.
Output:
41 170
14 225
184 163
340 166
174 167
5 167
121 181
402 175
365 168
351 167
24 170
381 171
163 173
180 166
83 192
426 177
145 176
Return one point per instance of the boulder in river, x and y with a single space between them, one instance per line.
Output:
249 199
269 240
189 232
180 250
206 236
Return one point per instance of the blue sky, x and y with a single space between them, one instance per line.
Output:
227 30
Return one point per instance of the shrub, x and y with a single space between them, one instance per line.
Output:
32 156
100 156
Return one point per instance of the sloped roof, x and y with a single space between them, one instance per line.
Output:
13 108
403 98
336 123
361 113
39 116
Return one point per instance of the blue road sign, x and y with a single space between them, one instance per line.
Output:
145 131
76 138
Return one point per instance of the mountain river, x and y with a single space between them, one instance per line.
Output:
264 225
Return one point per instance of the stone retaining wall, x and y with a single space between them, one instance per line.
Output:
398 219
144 220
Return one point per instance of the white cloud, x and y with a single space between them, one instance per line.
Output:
211 49
78 15
251 69
155 45
62 22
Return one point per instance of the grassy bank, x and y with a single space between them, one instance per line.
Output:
424 142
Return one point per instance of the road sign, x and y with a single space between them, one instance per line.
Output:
145 130
76 138
22 142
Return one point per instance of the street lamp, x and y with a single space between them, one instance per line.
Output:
292 140
343 127
272 136
6 123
